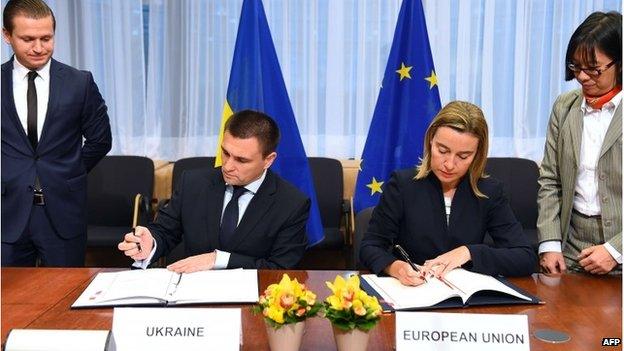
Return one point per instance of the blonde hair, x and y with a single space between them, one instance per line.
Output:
463 117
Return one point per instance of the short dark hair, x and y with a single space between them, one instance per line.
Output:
30 8
602 31
249 123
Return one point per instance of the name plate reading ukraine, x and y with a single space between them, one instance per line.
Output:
177 328
461 331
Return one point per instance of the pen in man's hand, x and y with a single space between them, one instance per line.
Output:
138 244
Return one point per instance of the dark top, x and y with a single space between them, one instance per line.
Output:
271 233
411 213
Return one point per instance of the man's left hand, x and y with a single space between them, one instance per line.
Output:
196 263
597 260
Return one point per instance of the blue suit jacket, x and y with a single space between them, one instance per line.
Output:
75 110
411 213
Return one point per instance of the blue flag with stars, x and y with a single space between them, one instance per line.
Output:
407 102
256 83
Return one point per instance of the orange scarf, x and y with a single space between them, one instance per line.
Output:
596 102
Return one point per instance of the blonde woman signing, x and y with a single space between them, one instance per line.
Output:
440 211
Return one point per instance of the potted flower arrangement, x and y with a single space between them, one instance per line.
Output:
285 307
352 313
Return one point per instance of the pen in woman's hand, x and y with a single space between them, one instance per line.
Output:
418 269
407 259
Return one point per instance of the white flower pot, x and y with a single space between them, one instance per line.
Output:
353 340
286 338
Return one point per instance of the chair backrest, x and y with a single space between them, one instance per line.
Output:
361 226
519 177
328 182
187 164
181 165
112 185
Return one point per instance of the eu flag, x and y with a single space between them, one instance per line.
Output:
256 83
407 102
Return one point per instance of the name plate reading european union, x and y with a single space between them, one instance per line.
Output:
461 331
177 328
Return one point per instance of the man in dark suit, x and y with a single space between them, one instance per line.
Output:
238 215
47 110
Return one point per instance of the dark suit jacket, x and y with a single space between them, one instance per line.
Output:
271 233
411 213
75 110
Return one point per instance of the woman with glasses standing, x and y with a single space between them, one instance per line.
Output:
580 196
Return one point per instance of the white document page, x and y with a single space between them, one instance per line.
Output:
100 285
471 283
160 286
402 296
140 283
225 286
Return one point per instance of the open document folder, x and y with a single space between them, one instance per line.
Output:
465 289
158 286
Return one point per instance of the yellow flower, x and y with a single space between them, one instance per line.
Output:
344 291
358 308
297 288
353 283
276 314
335 302
347 296
309 297
288 297
286 301
270 289
337 285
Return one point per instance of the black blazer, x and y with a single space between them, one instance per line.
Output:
411 213
271 233
62 160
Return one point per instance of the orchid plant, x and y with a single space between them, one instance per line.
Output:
349 307
287 302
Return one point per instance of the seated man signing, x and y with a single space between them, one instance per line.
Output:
241 215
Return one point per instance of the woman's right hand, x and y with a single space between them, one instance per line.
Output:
402 271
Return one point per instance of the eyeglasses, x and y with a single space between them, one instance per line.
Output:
590 71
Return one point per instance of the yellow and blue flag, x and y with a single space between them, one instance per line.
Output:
407 102
256 83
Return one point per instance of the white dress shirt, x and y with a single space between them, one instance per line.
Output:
20 89
448 201
586 198
222 257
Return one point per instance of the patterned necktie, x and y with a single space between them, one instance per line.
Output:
31 102
229 221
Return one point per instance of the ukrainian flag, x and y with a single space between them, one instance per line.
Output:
256 83
407 102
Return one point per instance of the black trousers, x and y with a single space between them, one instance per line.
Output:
40 241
